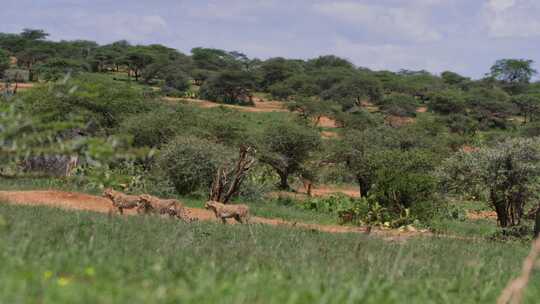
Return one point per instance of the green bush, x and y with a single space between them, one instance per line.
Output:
58 68
402 105
95 99
177 81
190 163
330 204
447 102
403 178
160 125
229 86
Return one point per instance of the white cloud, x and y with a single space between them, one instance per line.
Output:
500 5
395 57
231 10
512 18
130 27
410 22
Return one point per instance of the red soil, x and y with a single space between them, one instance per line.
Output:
397 121
260 106
327 122
480 215
20 86
329 134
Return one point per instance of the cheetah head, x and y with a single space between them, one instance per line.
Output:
145 197
108 192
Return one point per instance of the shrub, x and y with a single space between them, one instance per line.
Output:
281 90
360 119
191 163
507 172
353 90
531 129
331 204
461 124
157 127
402 105
177 81
359 151
230 86
447 102
403 179
58 68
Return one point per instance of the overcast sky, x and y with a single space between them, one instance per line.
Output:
465 36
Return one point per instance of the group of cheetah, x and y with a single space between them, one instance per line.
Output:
145 204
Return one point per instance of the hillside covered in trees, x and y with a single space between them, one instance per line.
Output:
402 138
317 146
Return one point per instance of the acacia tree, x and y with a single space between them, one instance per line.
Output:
528 105
506 173
353 90
286 146
359 150
455 79
137 59
229 86
276 70
313 110
513 70
514 74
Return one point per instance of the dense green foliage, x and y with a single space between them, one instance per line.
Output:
190 163
4 62
94 99
286 147
506 174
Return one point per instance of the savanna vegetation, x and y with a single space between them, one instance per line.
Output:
454 156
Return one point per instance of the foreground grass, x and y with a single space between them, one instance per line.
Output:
55 256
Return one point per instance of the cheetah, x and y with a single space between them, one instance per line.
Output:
122 201
170 207
239 212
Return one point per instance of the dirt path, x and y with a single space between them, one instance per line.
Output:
260 106
327 122
21 86
318 191
85 202
481 215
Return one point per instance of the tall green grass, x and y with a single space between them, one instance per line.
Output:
53 256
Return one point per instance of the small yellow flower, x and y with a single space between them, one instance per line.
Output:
63 281
89 271
47 274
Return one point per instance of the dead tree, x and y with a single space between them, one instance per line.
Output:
229 178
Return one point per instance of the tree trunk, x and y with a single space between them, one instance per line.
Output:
500 209
537 223
502 215
283 181
363 186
